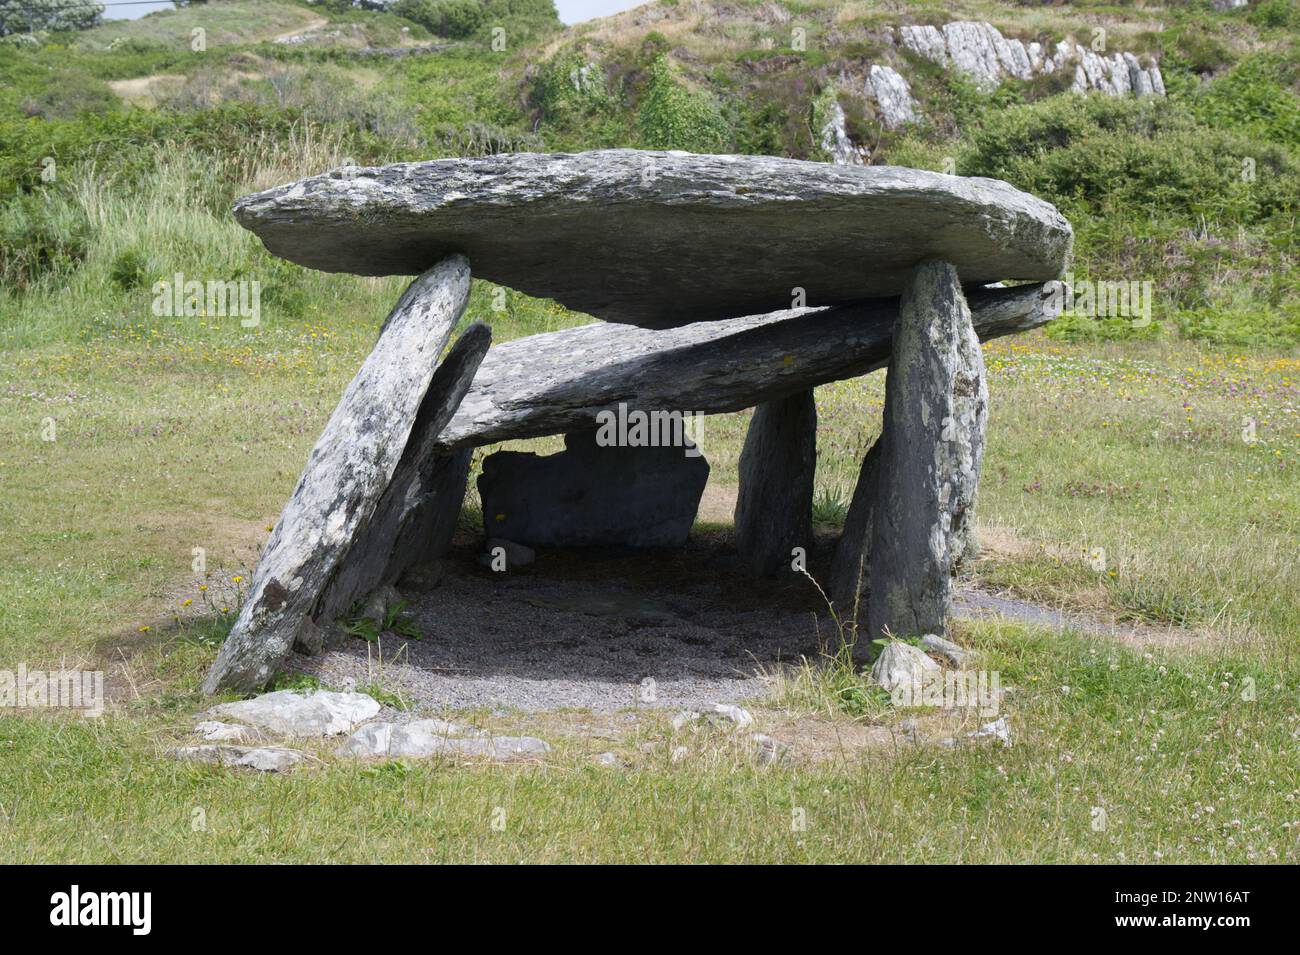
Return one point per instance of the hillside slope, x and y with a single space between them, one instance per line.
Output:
1169 135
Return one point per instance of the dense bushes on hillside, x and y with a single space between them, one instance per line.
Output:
27 16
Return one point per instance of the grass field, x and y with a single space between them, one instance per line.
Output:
176 434
1151 483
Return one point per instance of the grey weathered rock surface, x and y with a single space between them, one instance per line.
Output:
981 52
970 414
969 420
415 517
893 96
953 653
265 759
853 550
774 502
901 664
423 738
291 713
346 474
588 495
920 465
659 239
559 381
215 731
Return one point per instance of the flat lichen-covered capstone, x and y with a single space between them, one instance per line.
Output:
659 239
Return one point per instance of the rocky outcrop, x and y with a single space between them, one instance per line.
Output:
594 495
893 96
558 382
980 51
652 238
346 474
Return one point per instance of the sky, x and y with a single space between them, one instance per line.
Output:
571 11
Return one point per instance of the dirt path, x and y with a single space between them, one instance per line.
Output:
315 23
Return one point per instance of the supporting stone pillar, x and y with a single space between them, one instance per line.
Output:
922 465
347 472
849 567
777 466
971 415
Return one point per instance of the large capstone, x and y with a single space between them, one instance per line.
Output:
347 473
593 495
660 239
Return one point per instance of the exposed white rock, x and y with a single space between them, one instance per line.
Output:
609 760
901 664
927 41
728 713
215 731
266 759
678 754
955 655
997 730
434 738
835 138
684 717
291 713
719 714
892 95
981 52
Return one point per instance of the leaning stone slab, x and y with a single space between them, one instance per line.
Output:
558 382
265 759
774 502
920 461
348 471
629 236
290 713
591 496
415 517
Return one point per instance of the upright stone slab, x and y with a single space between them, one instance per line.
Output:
921 464
416 515
590 495
777 467
849 567
970 419
346 474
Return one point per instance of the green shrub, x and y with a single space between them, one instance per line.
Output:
450 18
674 116
40 234
1276 14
